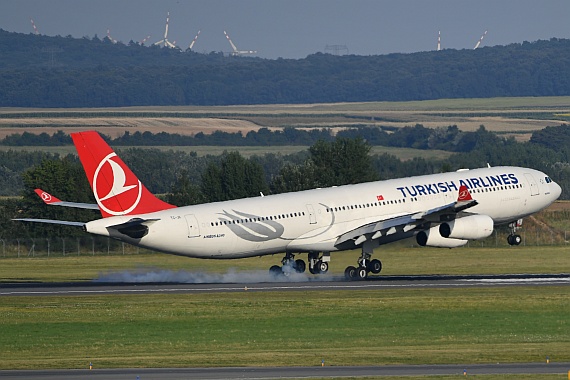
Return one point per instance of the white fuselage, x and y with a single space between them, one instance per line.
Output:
313 220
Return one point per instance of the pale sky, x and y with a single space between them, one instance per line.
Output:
297 28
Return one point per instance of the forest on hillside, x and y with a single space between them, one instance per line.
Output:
43 71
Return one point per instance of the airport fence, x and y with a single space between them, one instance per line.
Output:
65 246
98 245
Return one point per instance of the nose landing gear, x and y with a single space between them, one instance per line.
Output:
514 238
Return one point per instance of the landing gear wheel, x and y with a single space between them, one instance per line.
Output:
517 239
300 266
361 273
514 239
276 270
350 273
375 266
322 267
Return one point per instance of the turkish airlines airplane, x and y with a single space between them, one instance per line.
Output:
440 210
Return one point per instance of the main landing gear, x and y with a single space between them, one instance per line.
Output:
317 265
514 238
365 265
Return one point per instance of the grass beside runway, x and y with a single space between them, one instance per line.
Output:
476 325
359 327
397 260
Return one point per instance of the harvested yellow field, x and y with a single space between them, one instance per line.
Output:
116 126
512 117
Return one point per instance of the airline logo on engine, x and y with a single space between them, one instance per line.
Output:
115 193
469 183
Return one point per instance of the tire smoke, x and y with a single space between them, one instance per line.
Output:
155 275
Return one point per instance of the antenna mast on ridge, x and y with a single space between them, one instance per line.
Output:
336 49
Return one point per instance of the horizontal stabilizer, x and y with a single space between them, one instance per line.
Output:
53 201
52 221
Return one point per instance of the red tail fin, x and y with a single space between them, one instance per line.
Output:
117 190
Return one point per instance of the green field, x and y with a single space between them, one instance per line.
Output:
388 326
358 327
397 260
361 327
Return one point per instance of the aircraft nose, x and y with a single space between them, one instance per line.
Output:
557 190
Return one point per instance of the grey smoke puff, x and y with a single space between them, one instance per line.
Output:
150 275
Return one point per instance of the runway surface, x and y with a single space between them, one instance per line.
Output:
256 373
380 282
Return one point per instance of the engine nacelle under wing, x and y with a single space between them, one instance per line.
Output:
470 227
432 238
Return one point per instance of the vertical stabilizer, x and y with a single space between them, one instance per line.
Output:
116 188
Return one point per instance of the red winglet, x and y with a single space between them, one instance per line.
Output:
46 197
117 189
464 194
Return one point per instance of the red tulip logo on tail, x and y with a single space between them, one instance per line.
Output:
115 193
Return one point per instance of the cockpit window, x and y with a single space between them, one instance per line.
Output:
548 180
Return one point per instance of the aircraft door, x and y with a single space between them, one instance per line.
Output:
532 183
193 226
312 216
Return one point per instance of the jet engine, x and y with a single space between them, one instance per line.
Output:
470 227
432 238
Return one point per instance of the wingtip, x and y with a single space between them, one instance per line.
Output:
46 197
464 194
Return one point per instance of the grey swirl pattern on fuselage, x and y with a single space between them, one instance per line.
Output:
253 228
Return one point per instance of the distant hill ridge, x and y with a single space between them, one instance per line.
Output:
43 71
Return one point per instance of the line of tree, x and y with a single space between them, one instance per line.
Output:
160 169
42 71
448 138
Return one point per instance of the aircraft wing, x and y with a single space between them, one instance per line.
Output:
53 201
408 222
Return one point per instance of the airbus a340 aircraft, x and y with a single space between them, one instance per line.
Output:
440 210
